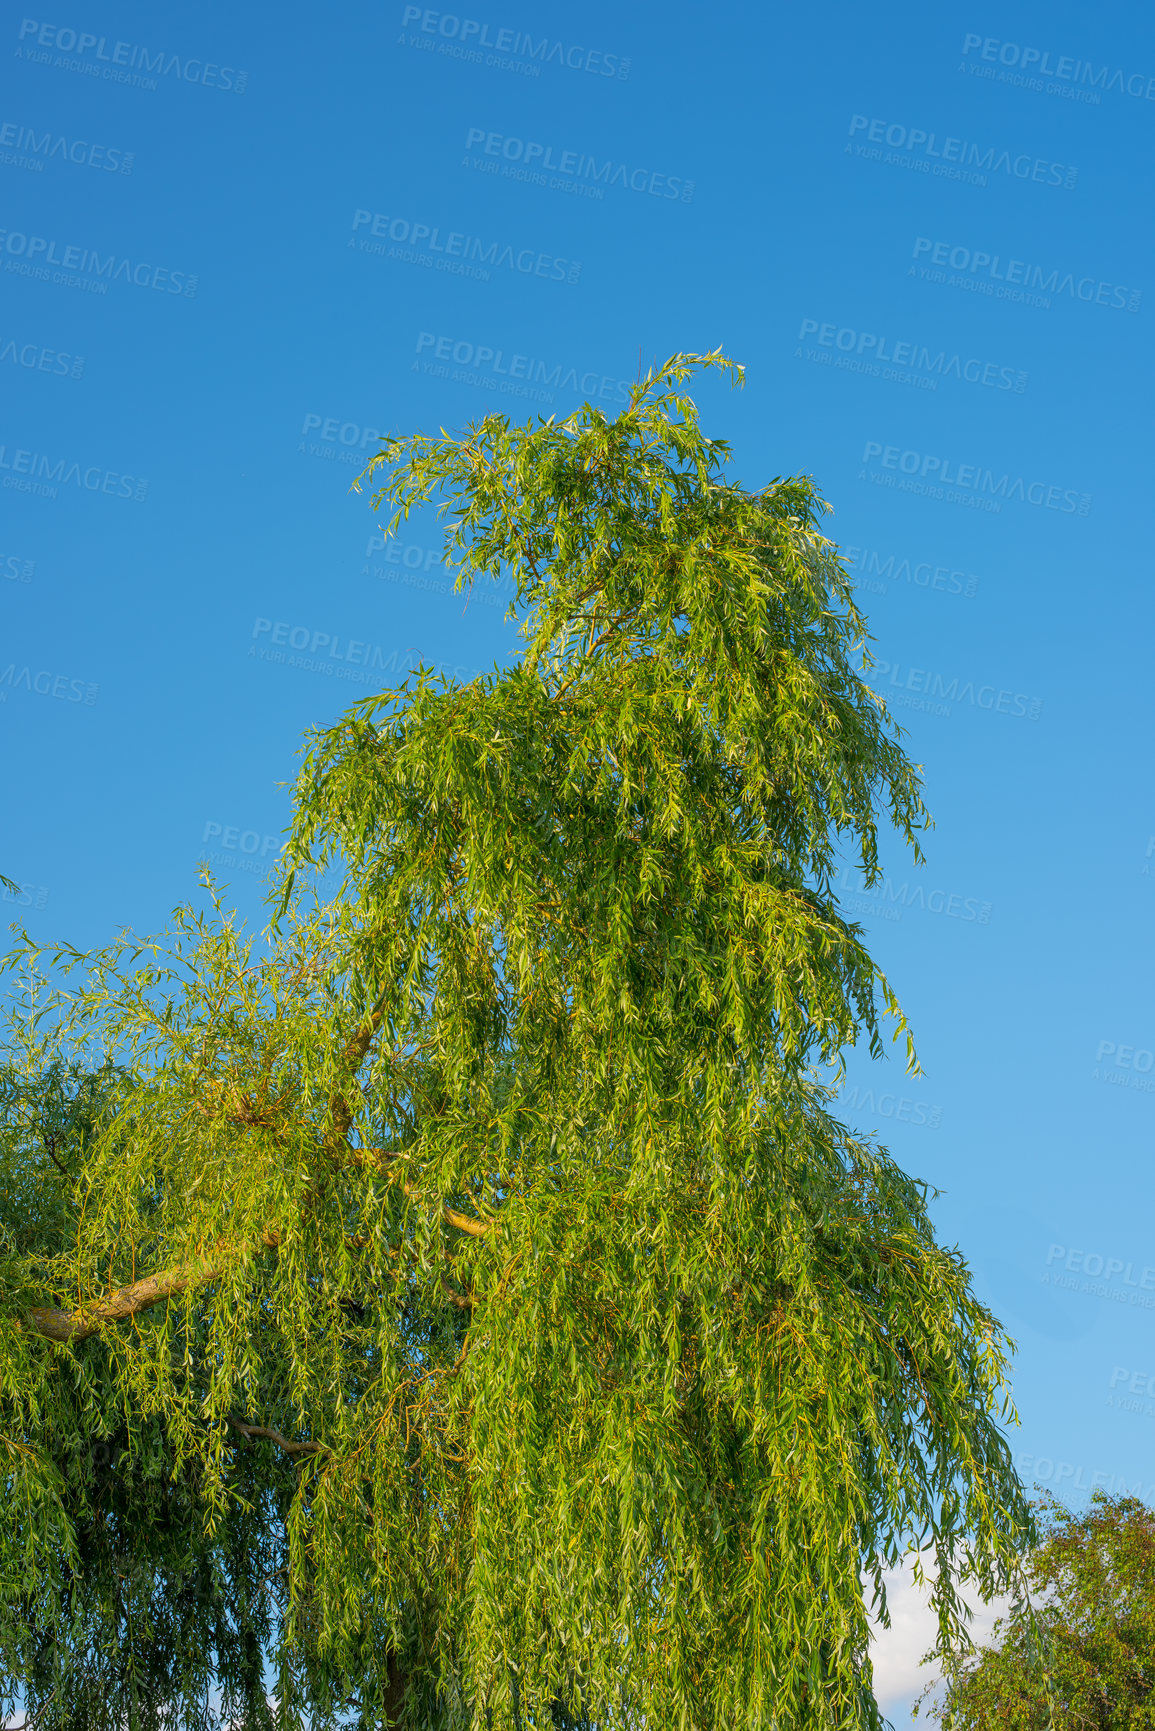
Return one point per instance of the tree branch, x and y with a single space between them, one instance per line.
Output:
128 1301
249 1431
340 1111
50 1149
140 1295
463 1222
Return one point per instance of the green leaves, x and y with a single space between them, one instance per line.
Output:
1076 1649
612 1364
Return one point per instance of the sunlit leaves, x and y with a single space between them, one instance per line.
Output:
626 1363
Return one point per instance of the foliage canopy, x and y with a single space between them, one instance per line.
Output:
485 1311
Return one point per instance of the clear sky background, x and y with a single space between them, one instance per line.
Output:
237 243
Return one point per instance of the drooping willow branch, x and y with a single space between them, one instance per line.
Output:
140 1295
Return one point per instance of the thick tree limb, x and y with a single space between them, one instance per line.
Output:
396 1689
260 1430
340 1111
139 1295
463 1222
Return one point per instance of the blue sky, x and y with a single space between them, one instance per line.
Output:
925 234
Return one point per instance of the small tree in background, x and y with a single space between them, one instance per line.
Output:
1079 1653
478 1253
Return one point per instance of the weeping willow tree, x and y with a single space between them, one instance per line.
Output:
463 1295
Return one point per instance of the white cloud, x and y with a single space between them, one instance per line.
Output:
898 1676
